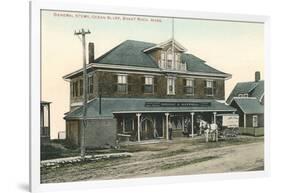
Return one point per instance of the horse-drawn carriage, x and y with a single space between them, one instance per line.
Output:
226 126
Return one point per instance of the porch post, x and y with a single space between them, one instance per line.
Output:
245 122
167 125
215 117
138 116
49 118
163 126
182 124
192 125
123 124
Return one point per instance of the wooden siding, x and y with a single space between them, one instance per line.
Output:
106 83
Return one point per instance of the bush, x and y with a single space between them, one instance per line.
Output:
57 150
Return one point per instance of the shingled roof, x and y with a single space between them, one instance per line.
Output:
249 105
253 89
131 53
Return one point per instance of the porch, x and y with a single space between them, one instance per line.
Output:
155 126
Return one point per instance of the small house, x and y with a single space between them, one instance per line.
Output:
248 99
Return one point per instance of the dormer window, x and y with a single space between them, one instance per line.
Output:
171 61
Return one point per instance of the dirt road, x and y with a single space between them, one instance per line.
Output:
181 157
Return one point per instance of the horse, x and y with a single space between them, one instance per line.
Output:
209 129
203 125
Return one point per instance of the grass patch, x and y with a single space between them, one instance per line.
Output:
170 153
53 151
188 162
147 147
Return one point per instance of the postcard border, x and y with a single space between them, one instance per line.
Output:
34 99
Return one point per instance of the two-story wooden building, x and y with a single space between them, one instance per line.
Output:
136 88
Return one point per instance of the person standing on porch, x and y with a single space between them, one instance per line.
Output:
187 126
170 130
155 134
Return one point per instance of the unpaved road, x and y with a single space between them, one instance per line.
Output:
180 157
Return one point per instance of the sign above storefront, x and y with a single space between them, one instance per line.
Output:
177 104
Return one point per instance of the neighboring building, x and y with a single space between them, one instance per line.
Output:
45 121
137 87
248 99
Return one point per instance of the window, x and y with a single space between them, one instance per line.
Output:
75 89
122 85
189 87
255 121
80 87
162 63
171 86
209 88
148 85
91 84
242 95
170 59
178 61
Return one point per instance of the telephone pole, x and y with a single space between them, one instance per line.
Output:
83 33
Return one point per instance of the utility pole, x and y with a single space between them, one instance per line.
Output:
83 33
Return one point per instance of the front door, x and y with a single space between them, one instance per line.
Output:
255 121
147 129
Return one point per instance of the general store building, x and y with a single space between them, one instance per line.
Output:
138 87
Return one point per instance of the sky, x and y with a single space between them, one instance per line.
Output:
232 47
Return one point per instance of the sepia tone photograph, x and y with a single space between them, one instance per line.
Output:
133 96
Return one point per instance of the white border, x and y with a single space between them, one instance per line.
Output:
35 7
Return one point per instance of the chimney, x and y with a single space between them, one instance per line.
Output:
257 76
91 50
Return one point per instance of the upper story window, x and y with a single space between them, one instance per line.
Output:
209 88
148 84
189 86
122 83
75 88
171 61
91 84
171 84
81 87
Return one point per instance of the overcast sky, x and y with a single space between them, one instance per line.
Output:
232 47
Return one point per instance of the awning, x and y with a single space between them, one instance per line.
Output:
111 106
